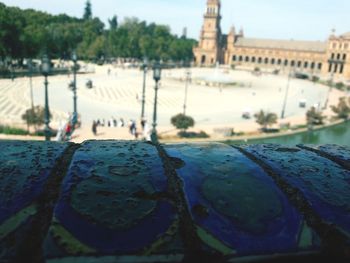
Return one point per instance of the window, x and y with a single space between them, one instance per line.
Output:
306 64
335 68
240 58
344 56
292 63
234 58
338 56
273 61
279 62
330 67
299 64
332 56
253 59
341 69
246 59
259 60
286 62
319 66
312 65
266 61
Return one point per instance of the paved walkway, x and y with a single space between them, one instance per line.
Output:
118 95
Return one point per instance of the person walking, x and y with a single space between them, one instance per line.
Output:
68 131
94 128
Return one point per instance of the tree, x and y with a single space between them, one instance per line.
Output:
87 11
314 117
182 121
34 116
113 23
265 119
342 109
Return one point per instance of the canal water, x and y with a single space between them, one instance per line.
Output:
339 134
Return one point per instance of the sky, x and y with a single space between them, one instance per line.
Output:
277 19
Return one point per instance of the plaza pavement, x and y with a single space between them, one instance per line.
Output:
118 95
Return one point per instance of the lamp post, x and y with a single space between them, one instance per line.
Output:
331 62
157 71
286 96
45 69
188 78
30 68
75 112
145 69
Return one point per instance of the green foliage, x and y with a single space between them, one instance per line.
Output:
35 116
265 119
194 135
340 85
12 131
342 109
315 79
87 11
29 33
182 121
314 117
113 23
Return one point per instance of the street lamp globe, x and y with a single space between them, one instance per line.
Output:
45 65
74 56
157 72
145 63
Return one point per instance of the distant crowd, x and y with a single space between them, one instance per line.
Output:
138 132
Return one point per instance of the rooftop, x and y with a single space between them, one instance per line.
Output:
314 46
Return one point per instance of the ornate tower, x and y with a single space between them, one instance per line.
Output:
209 50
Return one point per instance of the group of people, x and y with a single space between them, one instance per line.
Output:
145 130
144 133
112 122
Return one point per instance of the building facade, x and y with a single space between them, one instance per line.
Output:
329 58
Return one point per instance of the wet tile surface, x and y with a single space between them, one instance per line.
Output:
340 154
237 207
25 168
111 203
323 183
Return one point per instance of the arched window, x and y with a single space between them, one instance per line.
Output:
240 58
344 57
292 63
338 56
341 69
203 59
246 59
259 60
319 66
279 62
306 64
273 61
312 65
253 59
234 58
266 61
299 64
286 62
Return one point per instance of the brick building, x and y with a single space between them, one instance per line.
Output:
323 58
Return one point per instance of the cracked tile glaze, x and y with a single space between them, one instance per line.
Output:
232 199
324 184
104 206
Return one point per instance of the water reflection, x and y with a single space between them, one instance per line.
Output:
339 134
